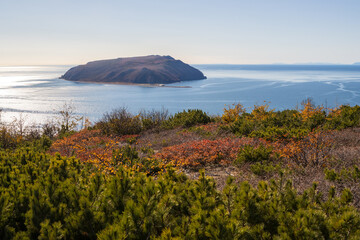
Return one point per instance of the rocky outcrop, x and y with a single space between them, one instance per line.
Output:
152 69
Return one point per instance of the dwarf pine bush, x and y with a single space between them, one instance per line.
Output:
54 197
188 118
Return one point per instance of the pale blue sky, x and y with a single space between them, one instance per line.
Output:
195 31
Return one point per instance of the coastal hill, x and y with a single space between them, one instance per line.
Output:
152 69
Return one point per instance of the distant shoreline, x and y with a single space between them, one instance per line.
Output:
150 85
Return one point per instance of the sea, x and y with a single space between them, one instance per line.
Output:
35 94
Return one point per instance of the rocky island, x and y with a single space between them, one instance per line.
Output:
152 69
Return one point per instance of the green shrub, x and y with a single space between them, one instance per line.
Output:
187 118
52 197
249 153
331 175
350 174
276 133
263 168
242 127
315 121
288 124
343 117
153 118
128 157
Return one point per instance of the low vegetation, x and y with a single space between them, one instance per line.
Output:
258 174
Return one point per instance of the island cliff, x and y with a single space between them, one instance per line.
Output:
152 69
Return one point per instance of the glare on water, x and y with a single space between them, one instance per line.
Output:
37 92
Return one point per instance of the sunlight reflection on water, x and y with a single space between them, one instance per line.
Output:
38 93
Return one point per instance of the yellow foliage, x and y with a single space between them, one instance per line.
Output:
262 112
232 113
309 110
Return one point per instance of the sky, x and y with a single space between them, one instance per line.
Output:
69 32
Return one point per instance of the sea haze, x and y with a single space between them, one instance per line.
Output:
37 92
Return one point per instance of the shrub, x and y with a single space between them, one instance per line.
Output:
67 119
187 118
331 175
7 138
249 153
50 129
288 124
54 197
263 168
279 133
200 153
242 127
343 117
153 118
313 150
286 118
352 174
104 153
232 113
86 145
262 112
119 122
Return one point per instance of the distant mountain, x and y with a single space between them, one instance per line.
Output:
317 63
357 63
152 69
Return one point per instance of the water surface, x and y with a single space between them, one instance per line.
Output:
37 93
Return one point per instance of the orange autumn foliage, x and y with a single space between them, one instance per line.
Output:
92 147
313 150
202 152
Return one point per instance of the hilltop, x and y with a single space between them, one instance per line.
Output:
152 69
266 174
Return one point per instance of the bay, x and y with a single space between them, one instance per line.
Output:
37 93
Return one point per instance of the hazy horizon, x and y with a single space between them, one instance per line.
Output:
68 32
75 64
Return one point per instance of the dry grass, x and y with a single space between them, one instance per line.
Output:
159 139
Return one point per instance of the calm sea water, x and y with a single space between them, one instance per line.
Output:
37 93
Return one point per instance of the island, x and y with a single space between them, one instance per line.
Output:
152 69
